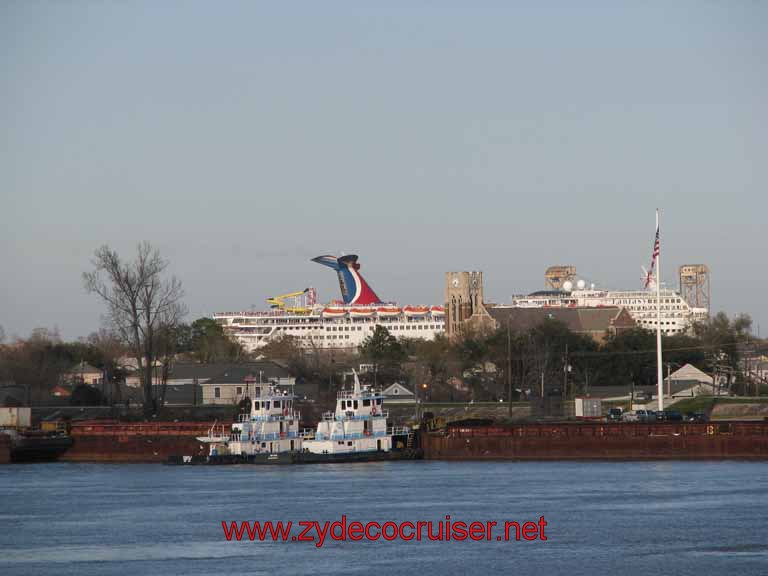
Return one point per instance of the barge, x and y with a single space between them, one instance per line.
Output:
599 441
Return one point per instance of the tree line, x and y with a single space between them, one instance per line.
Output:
145 321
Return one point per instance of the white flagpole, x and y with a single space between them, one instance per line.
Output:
659 372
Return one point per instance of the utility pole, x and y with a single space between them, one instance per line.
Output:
509 367
565 374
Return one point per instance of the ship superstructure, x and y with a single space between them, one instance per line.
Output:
343 324
359 424
677 317
269 426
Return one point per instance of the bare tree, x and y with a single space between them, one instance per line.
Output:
111 348
141 304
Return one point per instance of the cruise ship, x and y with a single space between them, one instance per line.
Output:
340 324
677 317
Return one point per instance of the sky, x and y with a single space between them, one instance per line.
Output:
244 138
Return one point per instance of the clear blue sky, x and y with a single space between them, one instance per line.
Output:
243 138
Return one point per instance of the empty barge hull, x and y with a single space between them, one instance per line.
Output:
598 441
139 442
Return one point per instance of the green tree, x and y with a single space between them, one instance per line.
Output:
209 343
384 352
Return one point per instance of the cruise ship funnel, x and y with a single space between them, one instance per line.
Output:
354 288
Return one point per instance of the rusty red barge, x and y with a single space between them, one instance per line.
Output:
599 441
111 441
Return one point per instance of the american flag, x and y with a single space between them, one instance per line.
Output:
656 250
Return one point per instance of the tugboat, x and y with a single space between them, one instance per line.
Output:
356 432
268 434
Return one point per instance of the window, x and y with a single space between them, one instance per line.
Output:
366 402
276 404
239 390
349 443
356 405
217 392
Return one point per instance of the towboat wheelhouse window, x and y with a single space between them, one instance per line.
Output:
277 404
217 392
356 405
266 405
366 402
256 405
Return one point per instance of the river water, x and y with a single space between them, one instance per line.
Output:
628 518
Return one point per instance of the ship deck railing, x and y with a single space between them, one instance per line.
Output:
350 394
353 436
333 417
262 437
268 417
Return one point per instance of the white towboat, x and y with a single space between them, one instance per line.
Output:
271 426
356 431
358 425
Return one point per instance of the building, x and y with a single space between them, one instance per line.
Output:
464 301
83 373
597 323
466 312
398 394
688 381
225 383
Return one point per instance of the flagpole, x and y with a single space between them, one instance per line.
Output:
659 371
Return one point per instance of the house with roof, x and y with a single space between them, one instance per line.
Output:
83 373
222 383
398 394
689 381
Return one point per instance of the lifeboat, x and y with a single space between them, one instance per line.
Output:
334 312
437 311
416 310
362 312
388 312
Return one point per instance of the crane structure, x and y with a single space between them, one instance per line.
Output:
556 276
300 302
694 285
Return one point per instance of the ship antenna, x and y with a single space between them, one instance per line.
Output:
357 383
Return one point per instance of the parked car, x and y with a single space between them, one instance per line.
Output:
674 416
696 417
669 416
643 415
630 416
615 415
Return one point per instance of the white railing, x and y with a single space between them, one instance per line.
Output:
333 417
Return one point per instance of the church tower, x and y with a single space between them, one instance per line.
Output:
463 299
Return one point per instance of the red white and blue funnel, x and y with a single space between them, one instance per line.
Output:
354 288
